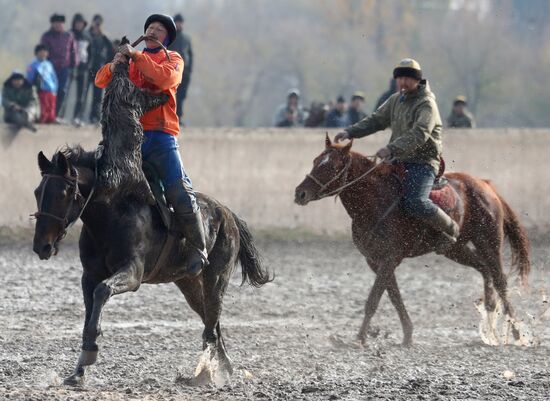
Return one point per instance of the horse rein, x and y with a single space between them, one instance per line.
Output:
344 171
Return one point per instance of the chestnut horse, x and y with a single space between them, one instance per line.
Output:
385 235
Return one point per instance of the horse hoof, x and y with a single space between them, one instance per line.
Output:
74 380
407 343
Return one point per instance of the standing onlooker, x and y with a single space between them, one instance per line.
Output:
355 111
460 116
182 44
291 113
337 116
384 96
42 75
101 51
83 40
63 55
19 101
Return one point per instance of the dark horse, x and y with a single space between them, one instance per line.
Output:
370 193
124 241
120 245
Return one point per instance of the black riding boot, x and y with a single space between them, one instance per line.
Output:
189 222
195 242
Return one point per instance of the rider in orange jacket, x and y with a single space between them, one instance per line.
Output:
150 69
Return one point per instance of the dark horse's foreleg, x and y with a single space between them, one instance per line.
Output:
96 294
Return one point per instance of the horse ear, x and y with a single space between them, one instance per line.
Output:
62 163
347 148
328 142
43 163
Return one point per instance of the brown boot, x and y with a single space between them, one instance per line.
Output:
448 228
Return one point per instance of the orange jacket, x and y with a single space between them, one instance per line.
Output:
153 71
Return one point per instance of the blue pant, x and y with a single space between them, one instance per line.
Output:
161 150
416 190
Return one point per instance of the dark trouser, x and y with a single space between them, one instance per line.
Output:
161 150
181 94
64 83
97 97
81 91
416 191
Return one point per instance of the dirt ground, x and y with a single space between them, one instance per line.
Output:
292 339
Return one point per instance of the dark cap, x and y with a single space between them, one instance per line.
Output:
97 18
179 17
340 99
165 20
79 18
57 18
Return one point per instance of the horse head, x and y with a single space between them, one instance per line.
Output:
327 175
59 203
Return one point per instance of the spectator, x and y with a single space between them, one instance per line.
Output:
291 113
355 111
83 40
19 101
63 55
101 51
42 75
182 45
460 117
384 96
337 116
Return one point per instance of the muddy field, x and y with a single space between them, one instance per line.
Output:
292 339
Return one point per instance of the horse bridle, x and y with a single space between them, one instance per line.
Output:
322 187
73 183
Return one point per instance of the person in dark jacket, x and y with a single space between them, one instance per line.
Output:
19 101
83 40
182 45
337 117
460 116
355 110
385 96
100 52
63 55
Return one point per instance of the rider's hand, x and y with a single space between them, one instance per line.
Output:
384 153
119 58
341 136
127 50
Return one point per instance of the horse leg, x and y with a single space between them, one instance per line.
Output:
468 257
383 276
88 354
397 301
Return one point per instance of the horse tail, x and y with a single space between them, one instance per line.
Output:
251 261
519 242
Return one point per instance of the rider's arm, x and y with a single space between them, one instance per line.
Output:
164 75
416 136
377 121
103 76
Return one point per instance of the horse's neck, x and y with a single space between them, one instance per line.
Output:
369 198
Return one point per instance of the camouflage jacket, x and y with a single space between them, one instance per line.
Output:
415 124
465 120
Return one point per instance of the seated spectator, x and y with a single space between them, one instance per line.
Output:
41 74
19 101
291 113
337 117
460 117
384 96
355 110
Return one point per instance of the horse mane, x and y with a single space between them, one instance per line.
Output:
78 157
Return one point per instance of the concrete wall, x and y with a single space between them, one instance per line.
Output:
255 171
